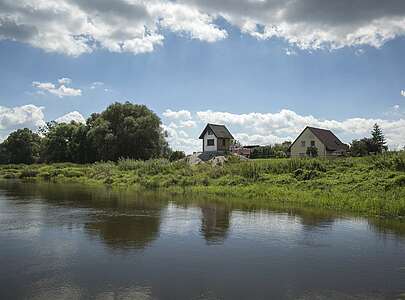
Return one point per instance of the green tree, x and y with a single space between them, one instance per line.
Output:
67 143
312 151
378 138
177 155
127 130
21 147
363 147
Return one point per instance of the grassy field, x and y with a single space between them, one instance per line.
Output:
368 186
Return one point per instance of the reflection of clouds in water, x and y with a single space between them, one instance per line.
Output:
180 221
335 295
50 289
131 293
260 226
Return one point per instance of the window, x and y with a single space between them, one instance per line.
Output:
312 143
210 142
303 144
209 132
223 143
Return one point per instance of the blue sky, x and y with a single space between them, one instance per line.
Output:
264 87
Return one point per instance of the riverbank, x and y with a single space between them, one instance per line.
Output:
369 186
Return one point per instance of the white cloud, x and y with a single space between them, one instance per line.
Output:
72 116
64 80
74 27
12 118
29 116
61 91
396 107
177 115
403 93
270 128
96 84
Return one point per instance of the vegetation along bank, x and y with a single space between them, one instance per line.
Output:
373 185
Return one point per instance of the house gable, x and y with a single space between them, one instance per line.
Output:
325 141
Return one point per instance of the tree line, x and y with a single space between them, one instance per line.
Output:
123 130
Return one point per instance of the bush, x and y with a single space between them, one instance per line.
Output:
28 173
177 155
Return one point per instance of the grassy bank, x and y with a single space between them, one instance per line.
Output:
369 186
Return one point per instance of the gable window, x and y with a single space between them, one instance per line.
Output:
312 143
209 131
210 142
303 144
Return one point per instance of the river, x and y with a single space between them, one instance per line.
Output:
76 242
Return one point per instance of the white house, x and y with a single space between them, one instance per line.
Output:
216 138
325 142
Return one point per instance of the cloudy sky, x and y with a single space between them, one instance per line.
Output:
265 68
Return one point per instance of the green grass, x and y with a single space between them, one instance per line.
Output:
368 186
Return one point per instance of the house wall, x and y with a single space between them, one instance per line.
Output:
207 148
222 147
297 150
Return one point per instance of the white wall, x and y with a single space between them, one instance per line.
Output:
210 148
298 150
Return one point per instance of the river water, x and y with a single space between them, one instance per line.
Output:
75 242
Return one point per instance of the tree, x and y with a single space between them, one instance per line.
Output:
363 147
378 138
126 130
67 143
21 147
177 155
312 151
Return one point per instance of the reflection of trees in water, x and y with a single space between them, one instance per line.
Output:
215 222
388 226
119 219
313 221
126 232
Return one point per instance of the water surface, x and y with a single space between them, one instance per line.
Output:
74 242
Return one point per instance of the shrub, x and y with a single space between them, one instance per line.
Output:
28 173
177 155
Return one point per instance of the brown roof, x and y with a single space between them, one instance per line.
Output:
220 131
331 141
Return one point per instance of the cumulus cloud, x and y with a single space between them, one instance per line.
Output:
74 116
270 128
29 116
74 27
177 115
96 84
403 93
61 90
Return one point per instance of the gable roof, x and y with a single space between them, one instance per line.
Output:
220 131
327 137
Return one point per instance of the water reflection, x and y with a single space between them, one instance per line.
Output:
215 222
125 232
78 242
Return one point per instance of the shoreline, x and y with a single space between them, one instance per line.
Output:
353 185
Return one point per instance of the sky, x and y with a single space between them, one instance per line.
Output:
264 68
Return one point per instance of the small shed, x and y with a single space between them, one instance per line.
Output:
216 138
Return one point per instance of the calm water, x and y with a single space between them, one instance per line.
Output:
70 242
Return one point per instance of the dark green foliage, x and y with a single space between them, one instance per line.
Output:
376 144
66 143
122 130
177 155
21 147
312 151
126 130
275 151
378 139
